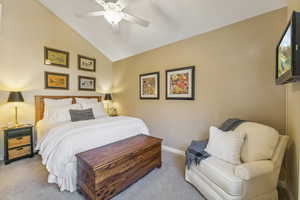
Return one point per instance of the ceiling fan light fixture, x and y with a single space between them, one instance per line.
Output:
113 17
113 13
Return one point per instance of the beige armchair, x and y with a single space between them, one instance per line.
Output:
255 180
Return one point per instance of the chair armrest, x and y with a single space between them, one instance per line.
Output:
254 169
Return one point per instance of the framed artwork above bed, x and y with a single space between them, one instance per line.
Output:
149 86
56 57
86 83
86 63
56 81
180 83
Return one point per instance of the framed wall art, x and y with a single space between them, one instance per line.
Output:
56 81
180 83
149 86
86 83
56 57
86 63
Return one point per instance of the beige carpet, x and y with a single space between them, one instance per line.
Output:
27 180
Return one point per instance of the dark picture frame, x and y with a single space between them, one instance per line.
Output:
184 71
86 78
142 77
50 84
56 60
81 67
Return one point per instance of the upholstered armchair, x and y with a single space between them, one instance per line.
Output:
251 180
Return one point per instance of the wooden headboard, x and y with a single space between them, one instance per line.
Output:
39 103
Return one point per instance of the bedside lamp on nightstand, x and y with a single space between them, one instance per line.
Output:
15 97
111 111
108 98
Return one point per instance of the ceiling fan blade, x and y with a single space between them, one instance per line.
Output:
101 2
92 14
136 20
115 27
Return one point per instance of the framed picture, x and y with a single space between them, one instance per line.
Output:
180 83
149 86
86 83
56 57
56 81
86 63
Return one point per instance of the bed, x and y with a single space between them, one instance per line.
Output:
59 142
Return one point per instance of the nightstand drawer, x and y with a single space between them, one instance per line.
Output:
19 141
19 152
19 132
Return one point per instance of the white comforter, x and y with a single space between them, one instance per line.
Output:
59 145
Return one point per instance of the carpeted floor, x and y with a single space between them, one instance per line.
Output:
27 180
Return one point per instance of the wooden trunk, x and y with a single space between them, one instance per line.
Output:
106 171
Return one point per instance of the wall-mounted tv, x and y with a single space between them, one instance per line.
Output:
288 52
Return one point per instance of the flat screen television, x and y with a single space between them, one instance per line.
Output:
288 53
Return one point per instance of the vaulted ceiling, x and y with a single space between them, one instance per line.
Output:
171 21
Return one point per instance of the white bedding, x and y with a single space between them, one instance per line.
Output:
59 143
43 126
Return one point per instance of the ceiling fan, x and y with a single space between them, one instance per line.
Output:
113 13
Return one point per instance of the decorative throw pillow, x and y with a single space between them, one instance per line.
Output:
81 115
61 113
260 142
98 109
55 102
225 145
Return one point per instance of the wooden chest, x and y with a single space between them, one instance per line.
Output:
106 171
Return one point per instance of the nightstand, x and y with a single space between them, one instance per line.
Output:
18 143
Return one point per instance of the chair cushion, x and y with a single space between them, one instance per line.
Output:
260 141
222 174
250 170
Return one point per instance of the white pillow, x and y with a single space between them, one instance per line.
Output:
98 109
86 100
225 145
61 113
260 142
55 102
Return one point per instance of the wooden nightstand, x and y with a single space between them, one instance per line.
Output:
18 143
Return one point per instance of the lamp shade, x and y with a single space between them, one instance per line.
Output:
107 97
15 97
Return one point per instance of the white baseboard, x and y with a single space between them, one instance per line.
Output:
173 150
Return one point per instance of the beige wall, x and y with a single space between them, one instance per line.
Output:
234 78
27 26
293 124
293 5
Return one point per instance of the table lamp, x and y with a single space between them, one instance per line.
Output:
15 97
108 97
